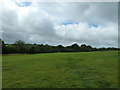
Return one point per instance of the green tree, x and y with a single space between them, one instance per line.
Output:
21 46
75 47
2 47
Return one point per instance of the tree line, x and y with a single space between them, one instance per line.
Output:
26 48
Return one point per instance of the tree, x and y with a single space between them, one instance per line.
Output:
21 46
19 42
61 48
83 48
89 48
11 48
2 47
75 47
34 49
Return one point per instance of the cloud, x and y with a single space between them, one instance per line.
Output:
61 23
83 33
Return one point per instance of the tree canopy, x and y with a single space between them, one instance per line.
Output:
22 47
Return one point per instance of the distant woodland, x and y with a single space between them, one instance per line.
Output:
26 48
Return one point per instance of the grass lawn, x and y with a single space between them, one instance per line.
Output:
61 70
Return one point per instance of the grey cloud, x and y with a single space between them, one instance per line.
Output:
39 26
95 12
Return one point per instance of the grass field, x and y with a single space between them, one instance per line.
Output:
61 70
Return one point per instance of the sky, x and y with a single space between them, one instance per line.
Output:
65 23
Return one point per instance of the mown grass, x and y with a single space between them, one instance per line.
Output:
61 70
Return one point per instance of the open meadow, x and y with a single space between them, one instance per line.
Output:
61 70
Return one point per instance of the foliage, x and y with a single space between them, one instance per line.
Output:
21 47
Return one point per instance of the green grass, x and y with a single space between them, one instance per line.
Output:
61 70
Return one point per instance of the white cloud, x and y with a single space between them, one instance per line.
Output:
83 33
43 23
